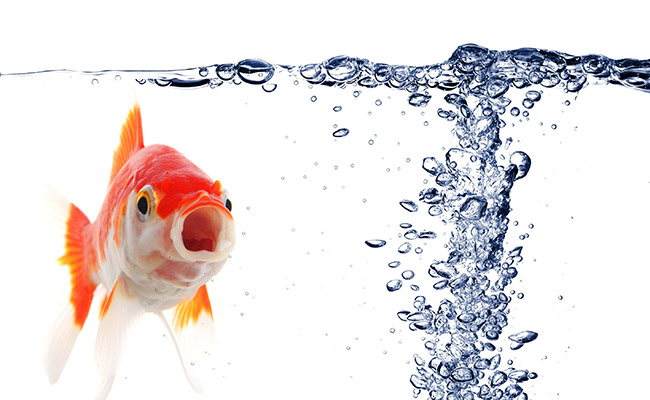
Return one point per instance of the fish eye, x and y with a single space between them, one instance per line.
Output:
226 200
144 203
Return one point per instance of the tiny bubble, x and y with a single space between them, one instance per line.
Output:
371 142
118 78
282 178
531 226
356 93
408 159
95 81
520 295
269 87
403 113
241 313
378 102
296 82
203 72
324 187
347 347
392 330
313 98
567 102
243 233
560 297
554 126
426 123
337 108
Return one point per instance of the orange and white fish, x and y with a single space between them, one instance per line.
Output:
164 230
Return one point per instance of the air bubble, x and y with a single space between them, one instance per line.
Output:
408 205
375 243
313 99
255 72
394 285
337 108
404 248
269 87
523 337
342 68
522 161
341 132
408 274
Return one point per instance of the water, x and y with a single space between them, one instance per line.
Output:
368 202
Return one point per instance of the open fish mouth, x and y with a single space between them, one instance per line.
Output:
204 231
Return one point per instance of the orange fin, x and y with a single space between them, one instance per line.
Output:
72 318
194 326
130 140
190 311
83 287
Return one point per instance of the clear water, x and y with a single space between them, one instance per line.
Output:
390 214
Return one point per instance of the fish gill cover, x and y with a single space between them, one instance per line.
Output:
464 310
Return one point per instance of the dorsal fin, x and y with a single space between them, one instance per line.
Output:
130 140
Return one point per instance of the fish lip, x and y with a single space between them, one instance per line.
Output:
203 230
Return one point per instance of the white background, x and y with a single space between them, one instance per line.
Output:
313 287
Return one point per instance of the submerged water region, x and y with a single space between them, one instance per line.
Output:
449 249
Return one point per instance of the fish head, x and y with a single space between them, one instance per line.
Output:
179 228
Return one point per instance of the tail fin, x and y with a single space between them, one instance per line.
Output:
72 318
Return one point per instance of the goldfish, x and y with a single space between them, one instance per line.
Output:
163 231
